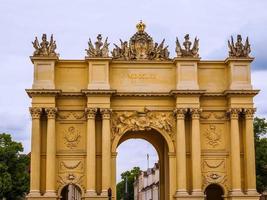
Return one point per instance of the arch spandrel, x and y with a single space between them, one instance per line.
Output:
124 121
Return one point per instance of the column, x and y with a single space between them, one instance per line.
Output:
235 151
250 152
106 151
51 153
91 152
196 153
180 152
35 152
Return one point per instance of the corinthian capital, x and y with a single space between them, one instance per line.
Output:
234 112
195 112
35 112
249 112
106 112
90 113
51 112
180 112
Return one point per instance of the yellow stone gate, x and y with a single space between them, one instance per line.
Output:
198 114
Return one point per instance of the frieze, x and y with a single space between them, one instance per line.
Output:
136 121
71 115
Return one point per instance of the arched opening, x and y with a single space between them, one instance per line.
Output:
214 192
71 192
160 145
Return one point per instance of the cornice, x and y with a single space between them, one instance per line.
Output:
241 92
142 61
142 94
233 59
88 92
71 94
44 58
42 92
187 92
186 59
105 59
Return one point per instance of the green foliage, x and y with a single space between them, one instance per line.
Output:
14 176
260 131
131 176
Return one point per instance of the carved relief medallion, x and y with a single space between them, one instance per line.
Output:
72 137
213 136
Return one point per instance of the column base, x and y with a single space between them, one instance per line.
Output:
181 193
50 195
34 193
239 195
90 194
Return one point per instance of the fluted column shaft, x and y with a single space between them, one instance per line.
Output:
235 151
250 151
35 152
196 152
51 153
91 152
180 152
106 153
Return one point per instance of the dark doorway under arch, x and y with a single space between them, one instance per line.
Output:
214 192
71 192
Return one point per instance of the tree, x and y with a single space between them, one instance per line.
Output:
14 167
131 177
260 133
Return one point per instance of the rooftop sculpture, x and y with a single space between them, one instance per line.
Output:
140 47
238 49
99 50
44 48
187 51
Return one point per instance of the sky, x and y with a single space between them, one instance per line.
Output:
73 22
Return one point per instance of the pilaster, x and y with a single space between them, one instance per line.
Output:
180 153
35 152
235 152
250 152
91 153
106 151
196 154
51 153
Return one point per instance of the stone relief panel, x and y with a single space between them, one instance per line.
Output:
71 136
213 136
70 171
214 171
137 121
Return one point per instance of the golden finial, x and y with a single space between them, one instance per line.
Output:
140 26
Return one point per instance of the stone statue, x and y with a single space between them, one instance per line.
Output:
140 47
45 48
187 51
238 49
99 50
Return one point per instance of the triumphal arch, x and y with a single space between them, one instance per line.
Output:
198 114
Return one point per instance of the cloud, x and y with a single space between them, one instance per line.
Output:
73 22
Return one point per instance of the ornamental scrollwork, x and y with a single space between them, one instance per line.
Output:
72 137
134 121
51 112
